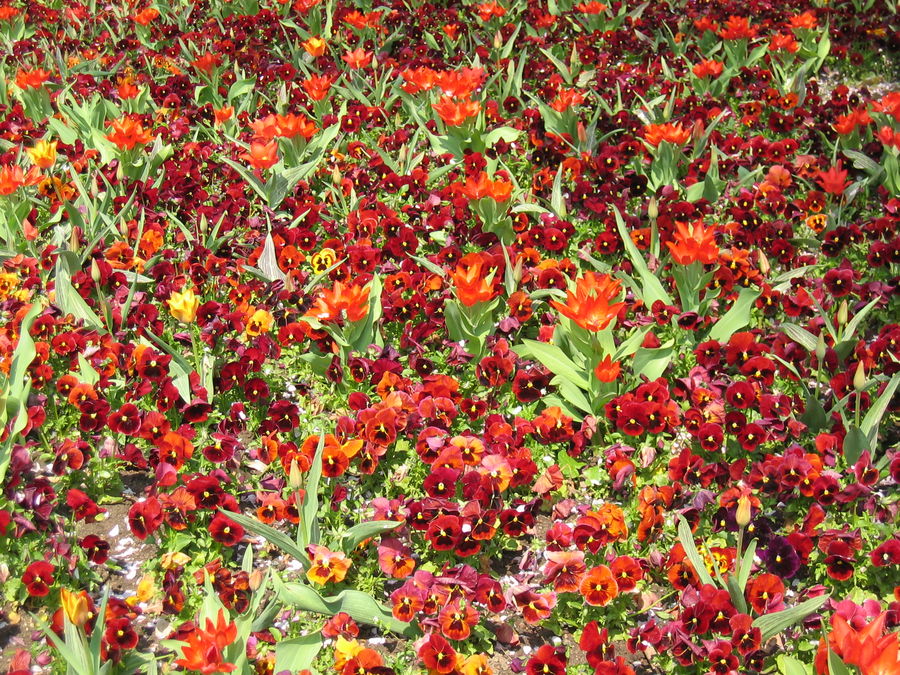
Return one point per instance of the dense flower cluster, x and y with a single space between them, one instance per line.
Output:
483 324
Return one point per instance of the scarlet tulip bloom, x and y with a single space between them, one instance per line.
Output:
455 113
867 648
127 133
675 134
607 370
694 243
834 181
478 188
470 282
358 58
589 305
262 155
341 301
203 651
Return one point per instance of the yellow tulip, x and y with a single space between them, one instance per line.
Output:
75 606
43 154
183 306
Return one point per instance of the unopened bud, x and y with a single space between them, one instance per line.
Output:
821 347
294 476
764 265
859 377
742 517
95 272
842 313
498 40
652 209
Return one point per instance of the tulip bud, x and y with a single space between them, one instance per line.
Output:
498 40
859 377
764 265
742 517
820 347
842 313
95 272
294 476
652 209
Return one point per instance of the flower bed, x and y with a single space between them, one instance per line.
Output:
449 338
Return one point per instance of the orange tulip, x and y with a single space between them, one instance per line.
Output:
470 281
339 302
262 155
589 305
693 243
127 133
655 134
454 113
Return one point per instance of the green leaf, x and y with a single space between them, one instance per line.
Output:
268 262
652 363
652 290
554 359
869 425
297 653
814 416
772 624
309 512
801 336
362 531
836 666
735 318
67 298
690 549
361 606
270 534
788 665
855 443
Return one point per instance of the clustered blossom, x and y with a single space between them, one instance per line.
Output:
240 254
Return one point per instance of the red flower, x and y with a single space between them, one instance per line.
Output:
547 661
225 531
535 607
38 578
144 517
437 654
599 586
834 181
589 304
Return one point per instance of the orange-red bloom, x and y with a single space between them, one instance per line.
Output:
867 648
675 134
32 79
607 370
693 243
341 301
589 305
127 133
477 188
262 155
599 586
454 113
358 58
470 280
203 651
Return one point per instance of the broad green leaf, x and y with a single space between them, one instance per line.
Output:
651 288
855 443
686 537
268 262
735 318
869 425
788 665
361 606
772 624
652 363
801 336
554 359
836 666
270 534
309 511
298 653
359 533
